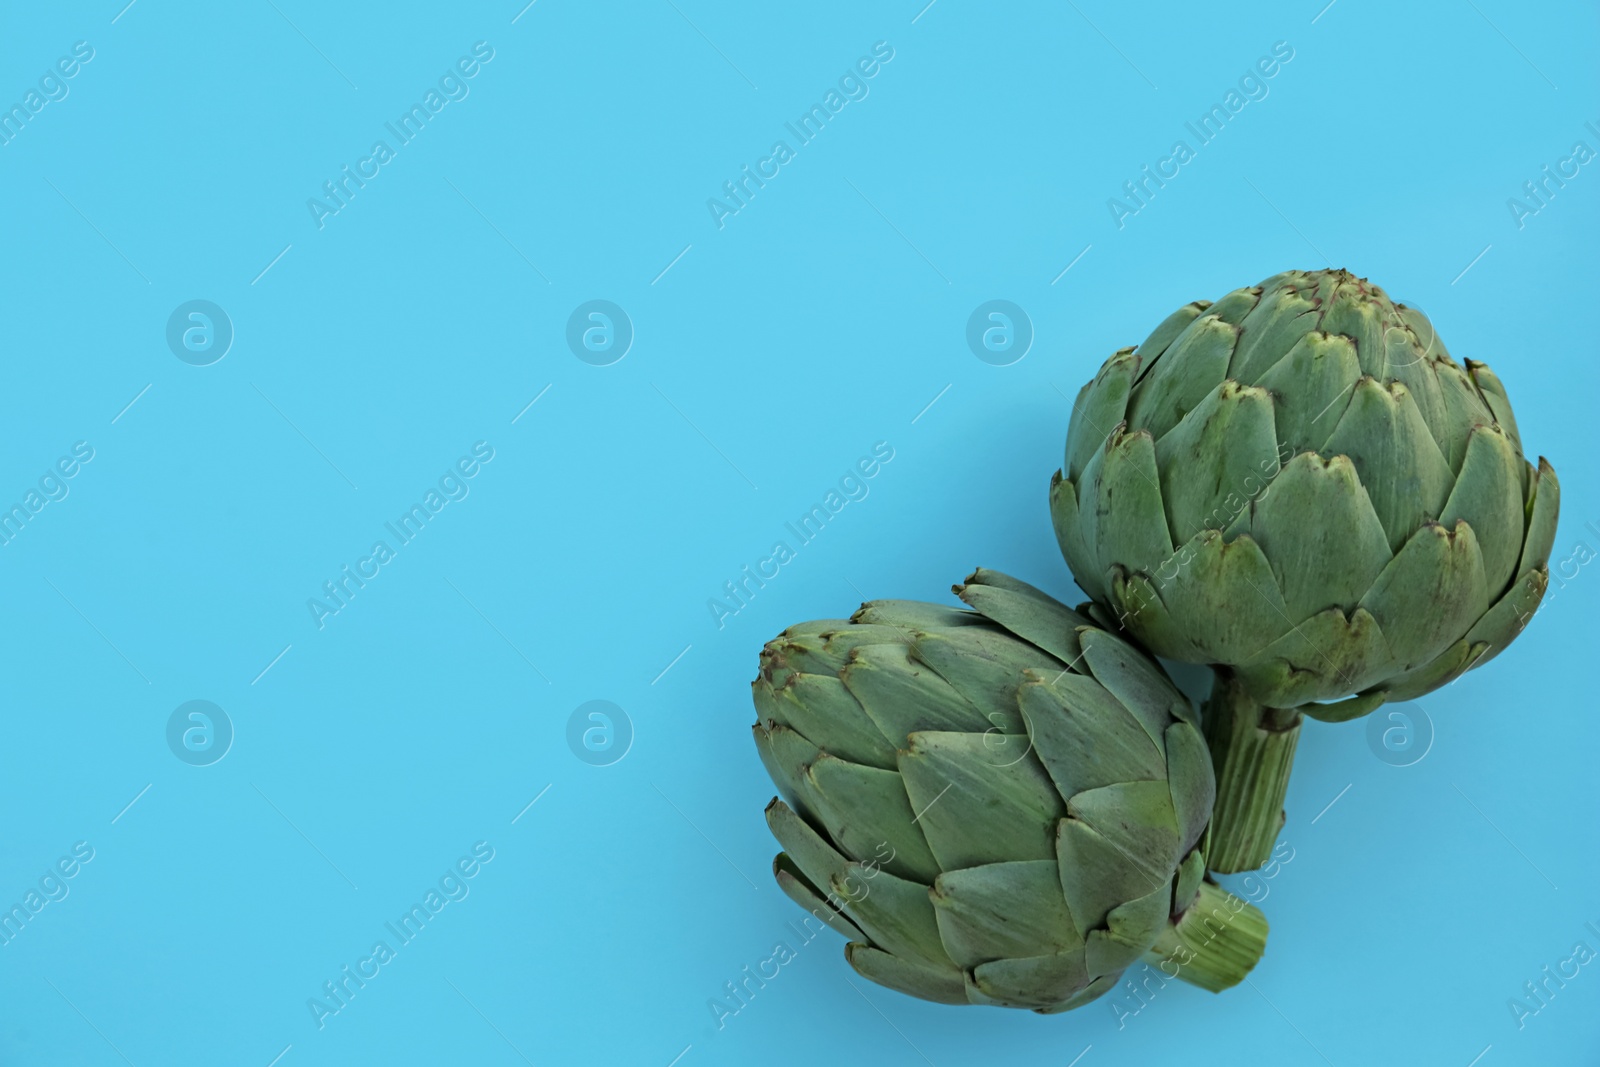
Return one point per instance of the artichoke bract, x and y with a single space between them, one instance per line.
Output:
1299 486
999 806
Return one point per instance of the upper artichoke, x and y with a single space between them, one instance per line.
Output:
1297 482
996 807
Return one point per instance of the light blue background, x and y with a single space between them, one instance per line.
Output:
822 318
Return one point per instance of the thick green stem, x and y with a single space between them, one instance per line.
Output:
1252 749
1214 943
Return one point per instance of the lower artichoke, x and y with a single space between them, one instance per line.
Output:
1002 806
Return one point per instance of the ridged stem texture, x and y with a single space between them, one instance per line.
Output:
1252 752
1214 943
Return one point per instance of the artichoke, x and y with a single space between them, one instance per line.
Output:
1299 486
1003 806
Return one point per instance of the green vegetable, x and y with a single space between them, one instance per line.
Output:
1298 485
1003 806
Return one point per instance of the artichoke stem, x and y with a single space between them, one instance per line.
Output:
1252 749
1214 943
